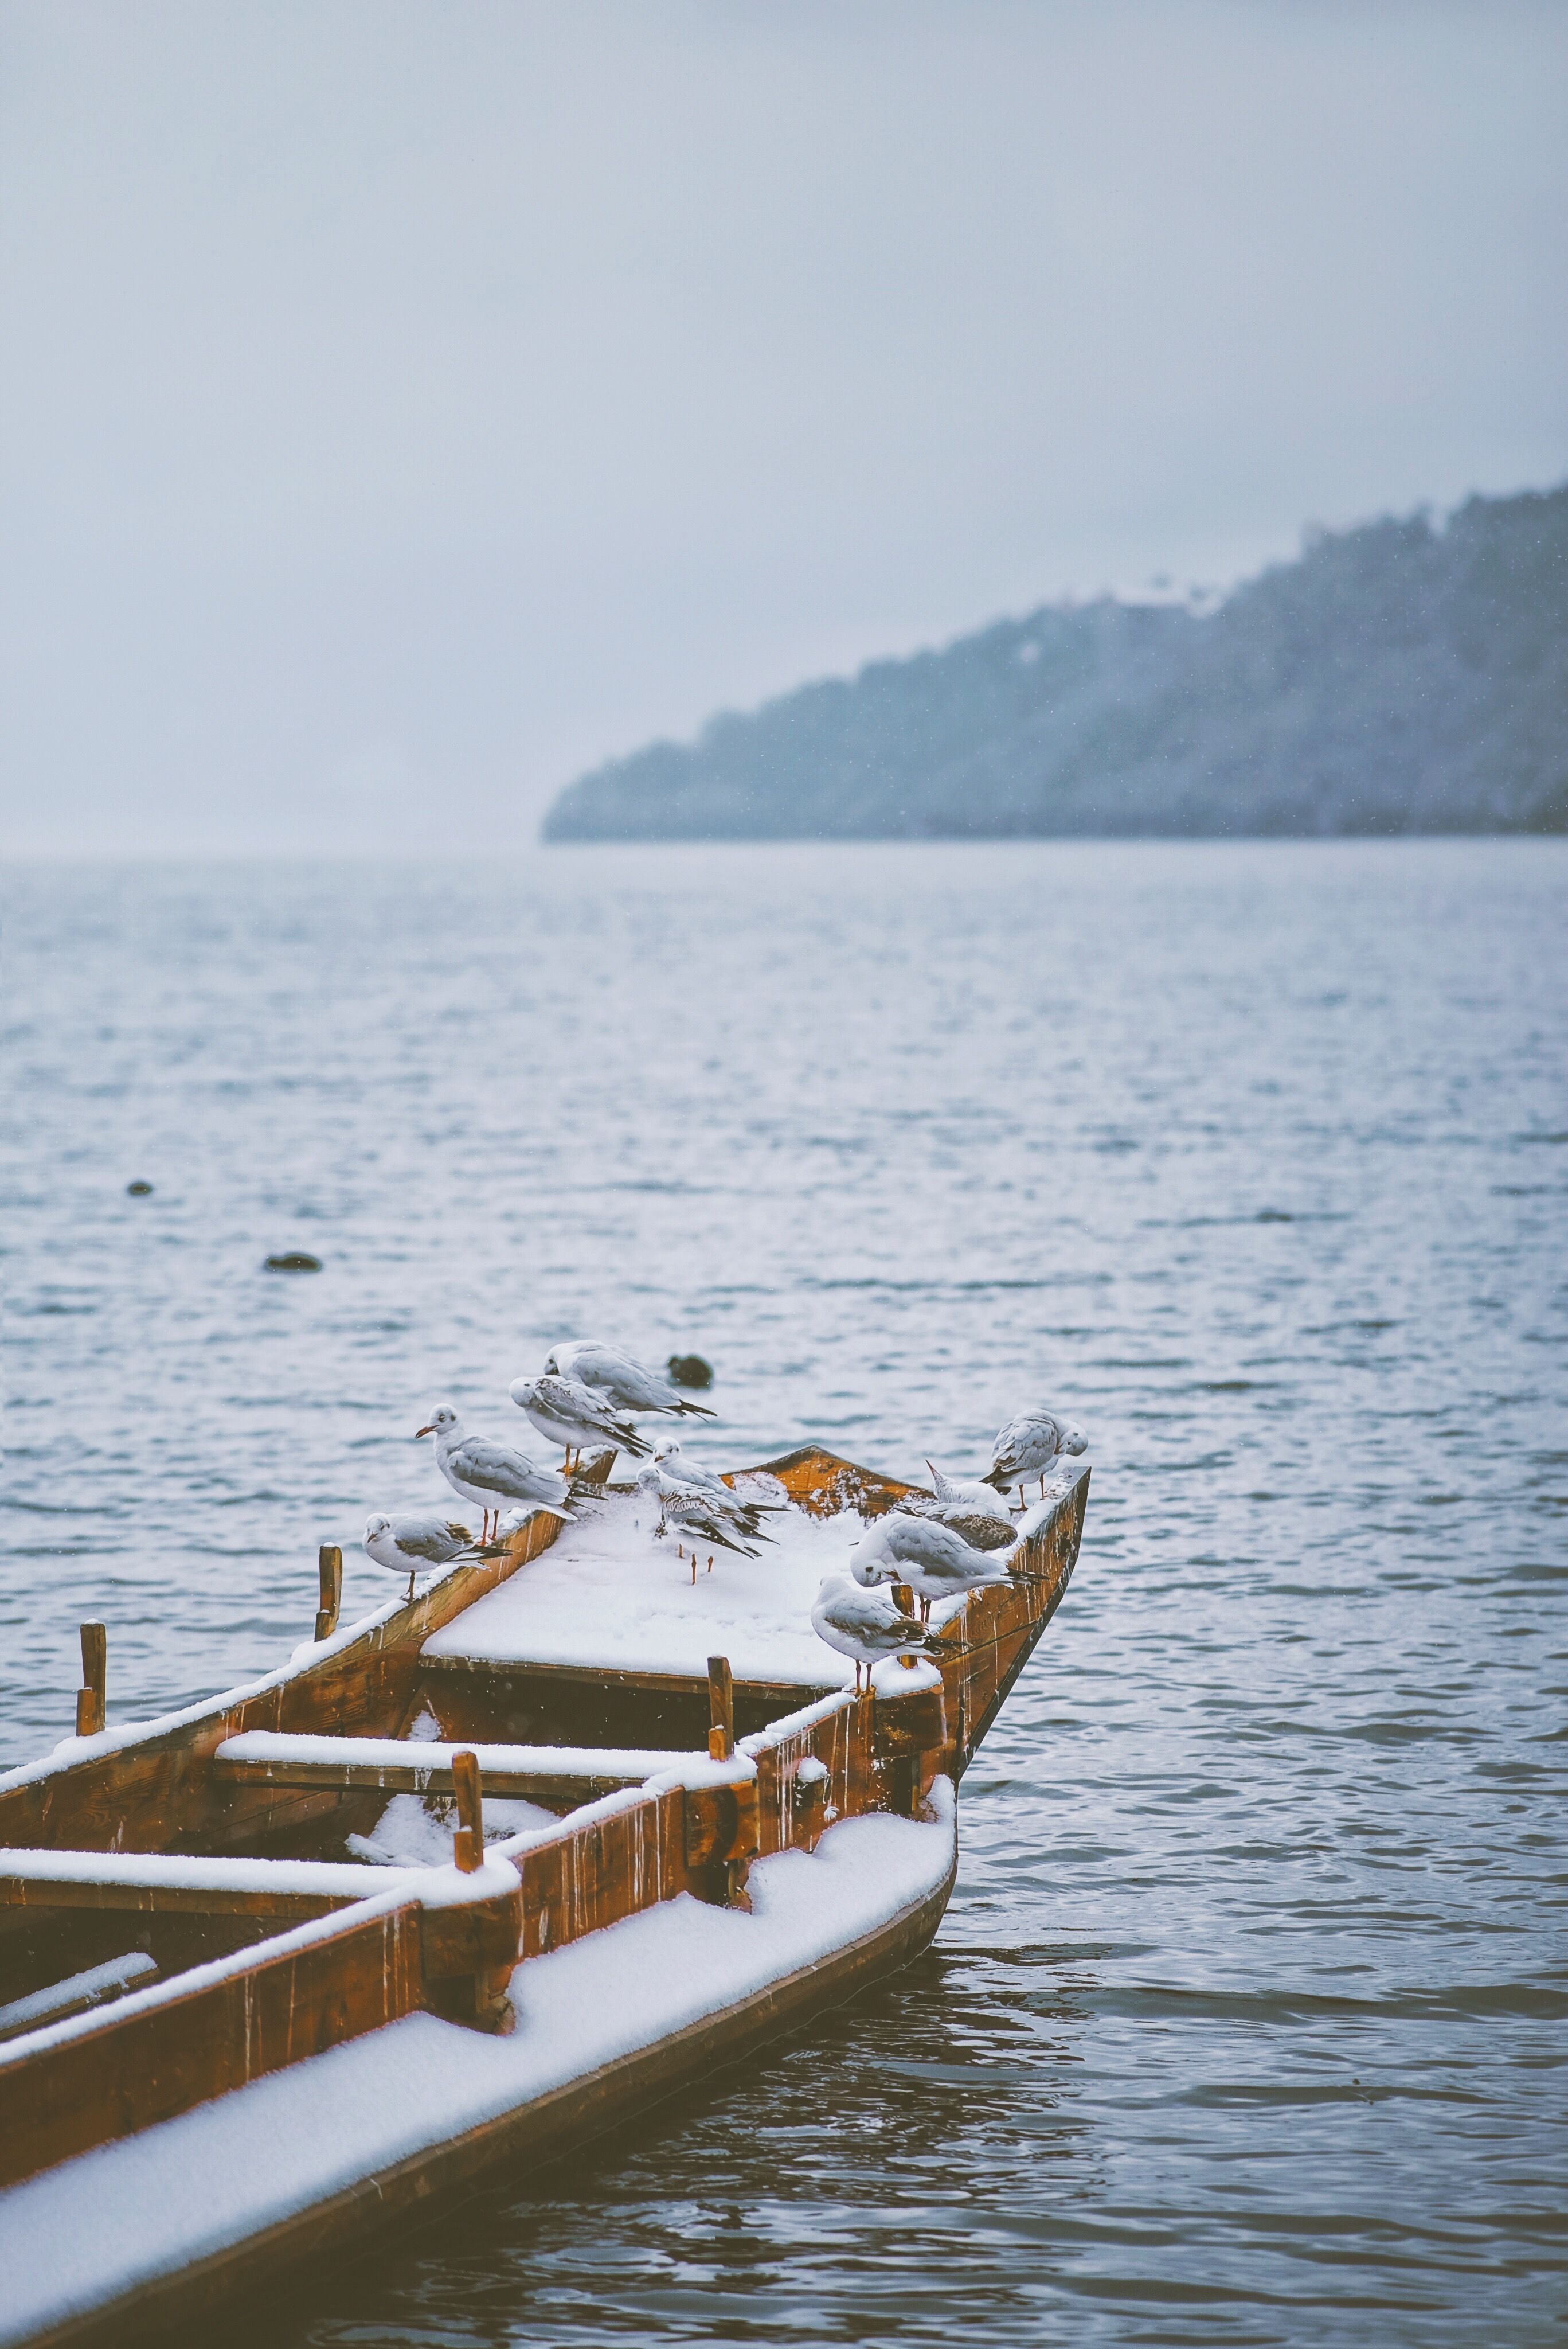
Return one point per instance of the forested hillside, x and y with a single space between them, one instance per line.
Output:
1404 676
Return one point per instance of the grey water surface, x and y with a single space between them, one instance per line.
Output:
1246 2024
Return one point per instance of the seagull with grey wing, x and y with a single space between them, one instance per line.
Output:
935 1561
973 1510
576 1417
867 1624
491 1477
692 1512
626 1384
1028 1446
406 1545
729 1501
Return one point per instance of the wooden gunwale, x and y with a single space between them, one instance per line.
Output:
154 1790
609 1861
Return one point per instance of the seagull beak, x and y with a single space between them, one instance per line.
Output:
423 1430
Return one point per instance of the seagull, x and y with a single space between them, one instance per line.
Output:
675 1468
866 1625
693 1513
935 1561
488 1475
1028 1445
627 1384
403 1545
577 1417
974 1510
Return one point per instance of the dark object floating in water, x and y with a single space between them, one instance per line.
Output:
689 1370
1272 1215
139 1190
296 1260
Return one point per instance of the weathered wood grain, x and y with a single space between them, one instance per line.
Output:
95 1677
329 1569
139 2068
721 1708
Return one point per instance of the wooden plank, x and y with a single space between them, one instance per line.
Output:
486 1702
290 1907
915 1723
546 1786
75 1994
721 1823
602 1871
137 2069
472 1937
788 1694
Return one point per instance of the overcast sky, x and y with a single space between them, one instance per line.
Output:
404 406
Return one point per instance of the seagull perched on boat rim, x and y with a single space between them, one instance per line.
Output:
1030 1443
625 1383
867 1624
404 1545
488 1475
935 1561
576 1417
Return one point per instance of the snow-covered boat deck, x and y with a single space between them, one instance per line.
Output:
610 1595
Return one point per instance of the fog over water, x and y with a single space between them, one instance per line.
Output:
1246 2023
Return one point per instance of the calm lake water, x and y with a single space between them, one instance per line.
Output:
1248 2020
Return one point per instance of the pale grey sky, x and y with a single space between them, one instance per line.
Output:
403 406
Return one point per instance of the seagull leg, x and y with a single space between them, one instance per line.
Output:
409 1600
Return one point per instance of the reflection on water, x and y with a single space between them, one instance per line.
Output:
1245 2022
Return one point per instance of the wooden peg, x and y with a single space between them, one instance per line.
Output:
329 1566
468 1842
95 1672
720 1708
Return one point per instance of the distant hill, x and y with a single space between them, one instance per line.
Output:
1406 676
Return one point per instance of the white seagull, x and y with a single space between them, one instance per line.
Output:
576 1417
866 1625
694 1513
404 1545
746 1507
1028 1445
624 1382
489 1475
974 1510
936 1562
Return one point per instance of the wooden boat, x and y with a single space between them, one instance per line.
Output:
237 2031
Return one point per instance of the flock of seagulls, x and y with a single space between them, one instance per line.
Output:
587 1400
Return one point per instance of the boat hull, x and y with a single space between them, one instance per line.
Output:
420 2186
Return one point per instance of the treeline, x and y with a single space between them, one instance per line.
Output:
1406 676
